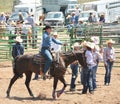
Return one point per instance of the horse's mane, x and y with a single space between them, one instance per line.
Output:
71 52
67 53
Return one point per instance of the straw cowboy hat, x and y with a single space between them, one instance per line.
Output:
80 20
2 13
95 39
18 39
110 41
55 34
90 45
76 45
12 23
69 16
83 43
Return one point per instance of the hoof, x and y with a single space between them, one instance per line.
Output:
54 97
58 94
34 96
7 96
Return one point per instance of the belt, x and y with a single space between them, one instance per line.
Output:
45 47
110 60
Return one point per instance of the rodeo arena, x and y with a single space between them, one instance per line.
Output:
60 52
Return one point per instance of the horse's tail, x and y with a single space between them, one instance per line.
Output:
14 66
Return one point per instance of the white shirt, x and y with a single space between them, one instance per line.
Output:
89 58
109 53
77 12
97 56
56 47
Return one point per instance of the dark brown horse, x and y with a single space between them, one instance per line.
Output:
24 64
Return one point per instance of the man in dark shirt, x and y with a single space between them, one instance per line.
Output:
17 49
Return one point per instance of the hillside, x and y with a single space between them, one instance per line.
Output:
6 5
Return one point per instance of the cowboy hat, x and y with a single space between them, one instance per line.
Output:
110 41
55 34
90 45
83 43
76 45
47 27
12 23
95 39
18 39
2 13
69 16
80 20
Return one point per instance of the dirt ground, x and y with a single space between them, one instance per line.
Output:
19 94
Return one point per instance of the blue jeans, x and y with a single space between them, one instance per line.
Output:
74 68
94 76
76 19
82 76
46 53
36 76
108 69
90 78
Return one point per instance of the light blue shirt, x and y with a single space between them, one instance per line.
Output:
3 18
30 20
47 40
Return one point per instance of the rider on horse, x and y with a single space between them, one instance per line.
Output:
45 50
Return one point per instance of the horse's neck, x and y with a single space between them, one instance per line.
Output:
69 59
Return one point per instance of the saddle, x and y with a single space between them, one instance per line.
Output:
38 59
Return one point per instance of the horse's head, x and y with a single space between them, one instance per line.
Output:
70 57
80 56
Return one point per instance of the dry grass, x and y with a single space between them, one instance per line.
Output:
6 5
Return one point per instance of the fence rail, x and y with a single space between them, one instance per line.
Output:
32 41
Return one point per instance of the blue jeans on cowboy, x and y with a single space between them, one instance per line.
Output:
94 76
46 53
108 69
76 19
74 68
90 77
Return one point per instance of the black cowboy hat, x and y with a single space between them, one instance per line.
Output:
47 27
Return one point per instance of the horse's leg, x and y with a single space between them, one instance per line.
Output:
62 90
15 77
27 82
54 86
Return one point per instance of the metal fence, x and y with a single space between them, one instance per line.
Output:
32 42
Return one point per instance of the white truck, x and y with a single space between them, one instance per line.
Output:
114 10
34 8
84 15
106 7
56 5
72 8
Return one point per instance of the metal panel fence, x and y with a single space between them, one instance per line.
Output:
32 41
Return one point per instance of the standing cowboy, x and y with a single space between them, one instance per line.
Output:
18 49
91 67
45 50
109 58
56 48
74 67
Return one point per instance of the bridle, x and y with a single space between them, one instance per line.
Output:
83 56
